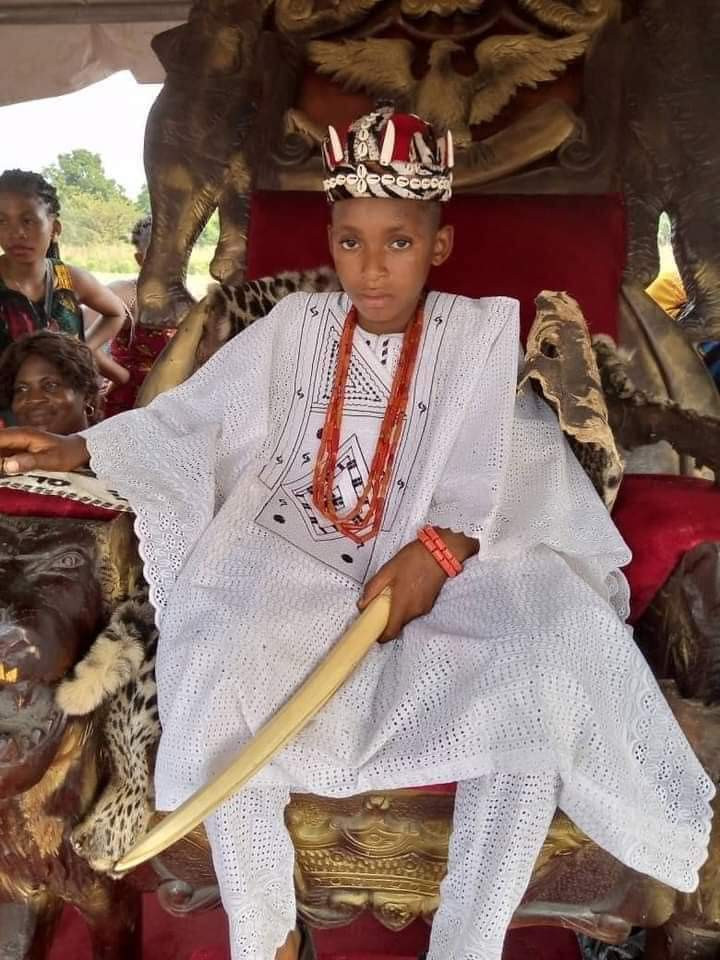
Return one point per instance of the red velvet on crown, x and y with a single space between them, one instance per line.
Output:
504 246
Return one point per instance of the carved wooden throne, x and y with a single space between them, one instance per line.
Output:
541 185
541 204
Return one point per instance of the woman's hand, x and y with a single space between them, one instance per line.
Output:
416 579
23 449
111 369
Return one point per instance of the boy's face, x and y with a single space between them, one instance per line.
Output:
383 251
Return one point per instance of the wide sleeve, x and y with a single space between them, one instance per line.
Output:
171 459
513 482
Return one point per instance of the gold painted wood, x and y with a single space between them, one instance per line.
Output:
448 99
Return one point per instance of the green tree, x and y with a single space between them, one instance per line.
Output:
89 220
211 234
143 201
81 171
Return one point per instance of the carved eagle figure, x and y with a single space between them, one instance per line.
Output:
448 99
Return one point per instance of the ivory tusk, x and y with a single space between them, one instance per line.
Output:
296 713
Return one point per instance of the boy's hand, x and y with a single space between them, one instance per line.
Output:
415 579
23 449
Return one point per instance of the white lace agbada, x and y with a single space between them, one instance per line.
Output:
523 682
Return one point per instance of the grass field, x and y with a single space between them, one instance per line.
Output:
110 262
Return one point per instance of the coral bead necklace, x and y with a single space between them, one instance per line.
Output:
362 522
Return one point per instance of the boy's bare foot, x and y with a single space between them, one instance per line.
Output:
290 950
298 946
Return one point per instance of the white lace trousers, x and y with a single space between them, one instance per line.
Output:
500 824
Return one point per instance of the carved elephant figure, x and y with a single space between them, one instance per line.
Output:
195 147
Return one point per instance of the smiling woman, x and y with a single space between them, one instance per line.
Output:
50 382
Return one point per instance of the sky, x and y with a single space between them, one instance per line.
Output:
107 118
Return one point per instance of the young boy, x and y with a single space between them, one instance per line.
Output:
289 478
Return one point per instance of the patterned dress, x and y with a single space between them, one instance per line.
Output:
59 311
136 348
522 683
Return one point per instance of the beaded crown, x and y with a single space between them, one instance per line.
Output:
388 154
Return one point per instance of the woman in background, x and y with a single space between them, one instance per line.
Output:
50 382
37 290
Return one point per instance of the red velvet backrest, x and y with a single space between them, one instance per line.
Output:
511 246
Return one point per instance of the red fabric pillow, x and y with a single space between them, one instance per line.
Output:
507 246
661 518
21 503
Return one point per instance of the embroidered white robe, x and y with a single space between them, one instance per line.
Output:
523 682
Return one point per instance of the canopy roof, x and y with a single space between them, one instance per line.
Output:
92 11
51 48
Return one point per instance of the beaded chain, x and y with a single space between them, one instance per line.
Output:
362 522
439 550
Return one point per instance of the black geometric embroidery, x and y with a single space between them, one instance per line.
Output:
364 391
351 476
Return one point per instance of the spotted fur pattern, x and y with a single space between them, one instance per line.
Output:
233 308
117 678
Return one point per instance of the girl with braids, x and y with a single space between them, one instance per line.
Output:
37 290
133 348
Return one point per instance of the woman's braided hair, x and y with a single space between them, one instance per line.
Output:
72 359
31 184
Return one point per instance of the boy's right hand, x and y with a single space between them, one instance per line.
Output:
23 449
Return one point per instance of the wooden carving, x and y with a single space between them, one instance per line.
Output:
587 15
671 148
195 148
236 69
444 96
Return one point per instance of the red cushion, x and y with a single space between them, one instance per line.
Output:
21 503
661 518
511 246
